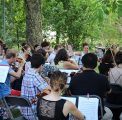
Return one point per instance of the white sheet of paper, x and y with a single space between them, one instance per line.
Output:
89 107
68 71
3 73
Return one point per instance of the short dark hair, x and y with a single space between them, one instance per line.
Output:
42 52
37 60
85 44
10 53
45 44
35 46
89 60
118 57
58 81
108 56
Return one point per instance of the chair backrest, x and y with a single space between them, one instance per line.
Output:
115 97
18 101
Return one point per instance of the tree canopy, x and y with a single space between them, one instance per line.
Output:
74 21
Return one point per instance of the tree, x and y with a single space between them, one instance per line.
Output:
33 22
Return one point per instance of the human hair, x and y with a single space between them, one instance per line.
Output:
118 57
57 46
1 43
37 60
61 56
24 48
84 44
58 81
35 46
42 51
10 53
108 57
89 60
45 44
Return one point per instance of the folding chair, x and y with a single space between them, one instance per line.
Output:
14 101
114 100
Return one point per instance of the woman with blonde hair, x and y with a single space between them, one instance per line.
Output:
52 106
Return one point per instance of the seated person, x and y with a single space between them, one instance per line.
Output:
115 74
90 82
5 88
33 83
106 63
62 61
52 107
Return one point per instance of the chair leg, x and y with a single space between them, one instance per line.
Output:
8 109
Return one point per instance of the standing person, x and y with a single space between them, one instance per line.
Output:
90 82
33 83
52 107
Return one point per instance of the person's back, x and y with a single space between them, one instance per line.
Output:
51 110
51 106
89 82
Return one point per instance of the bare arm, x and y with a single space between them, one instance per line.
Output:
71 65
18 73
69 107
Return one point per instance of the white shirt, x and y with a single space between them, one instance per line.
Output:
51 57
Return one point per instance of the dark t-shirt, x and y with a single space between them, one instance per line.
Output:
89 82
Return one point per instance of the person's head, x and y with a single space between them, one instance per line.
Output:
85 47
58 81
61 56
57 47
42 52
11 55
26 48
45 45
37 60
89 60
118 58
36 47
108 56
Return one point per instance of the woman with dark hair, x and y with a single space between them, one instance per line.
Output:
52 106
62 60
115 74
107 62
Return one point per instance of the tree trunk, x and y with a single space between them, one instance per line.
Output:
33 22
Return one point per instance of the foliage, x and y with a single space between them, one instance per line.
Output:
74 21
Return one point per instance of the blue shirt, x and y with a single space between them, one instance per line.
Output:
5 87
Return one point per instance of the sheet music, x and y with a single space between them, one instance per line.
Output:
3 73
89 107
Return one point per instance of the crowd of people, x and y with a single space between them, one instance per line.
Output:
36 71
